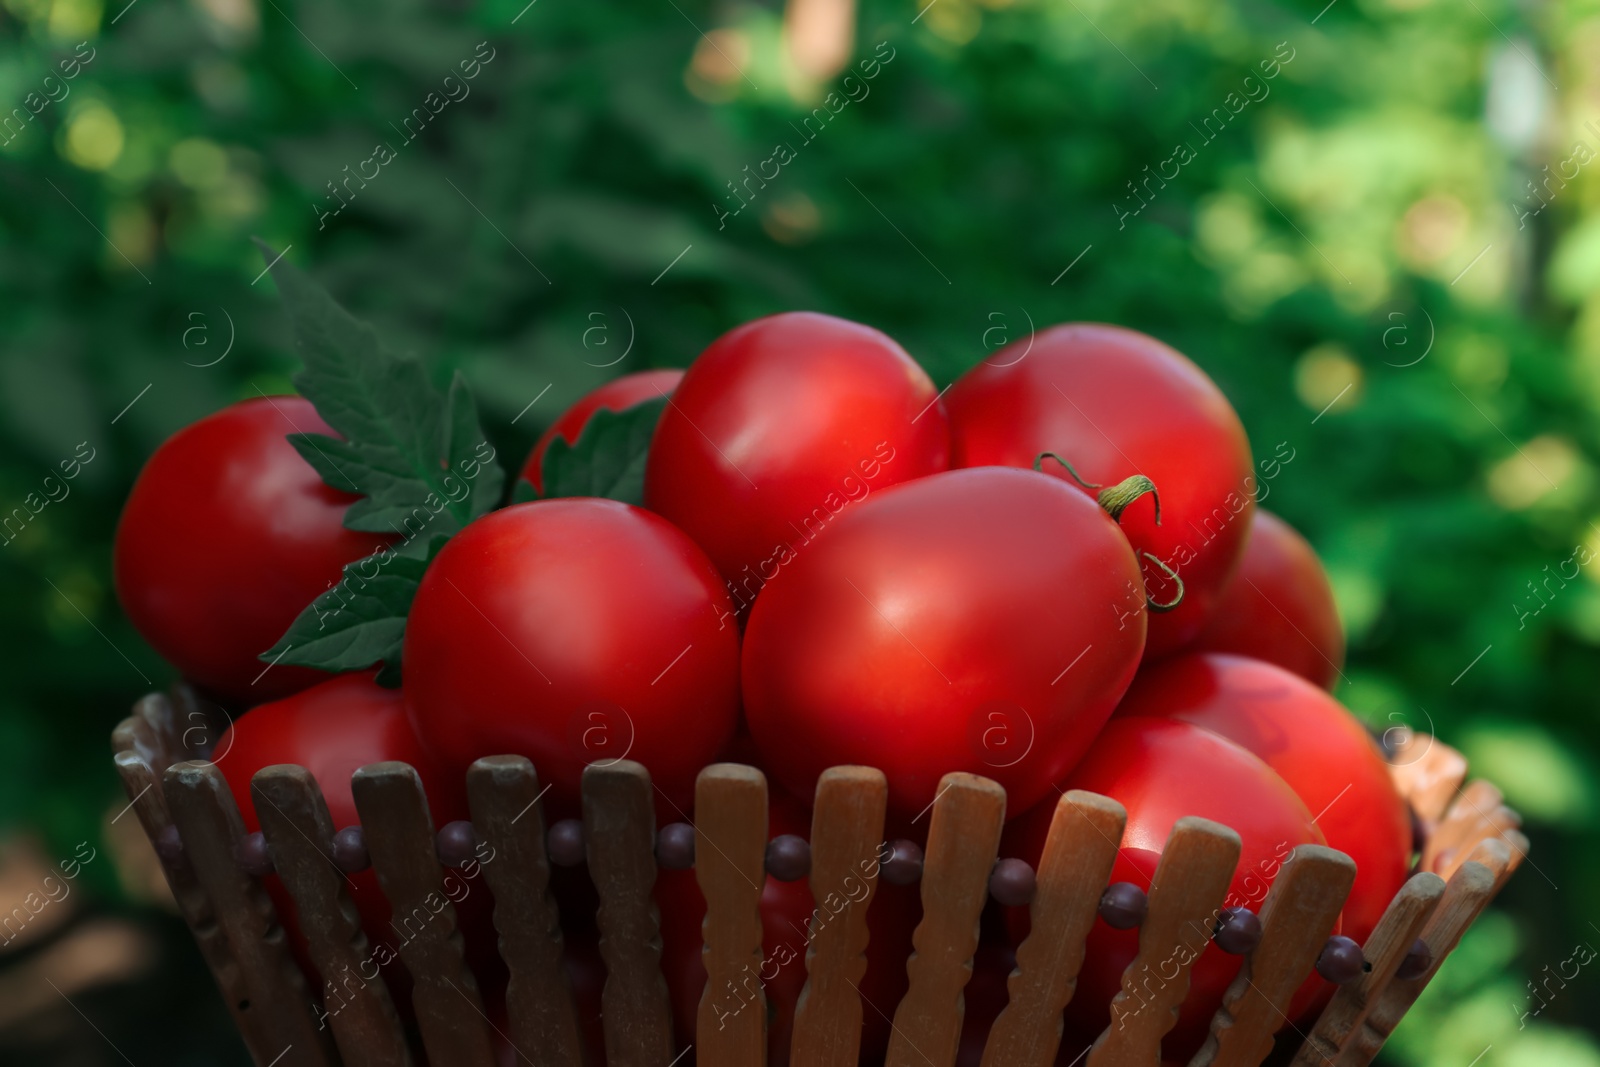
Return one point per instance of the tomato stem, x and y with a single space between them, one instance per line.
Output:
1154 606
1117 498
1038 465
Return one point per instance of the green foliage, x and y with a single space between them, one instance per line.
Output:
1352 249
608 457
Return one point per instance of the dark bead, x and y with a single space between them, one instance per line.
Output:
456 843
250 851
1012 883
1341 961
1124 905
788 858
350 850
169 846
675 846
565 843
1238 931
1417 961
903 864
1419 832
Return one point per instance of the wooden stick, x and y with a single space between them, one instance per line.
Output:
400 838
1085 832
1427 773
963 839
619 832
299 833
277 1004
730 804
1384 950
1478 814
1186 897
846 835
1296 919
504 792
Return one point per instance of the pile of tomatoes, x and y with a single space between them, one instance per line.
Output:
1053 573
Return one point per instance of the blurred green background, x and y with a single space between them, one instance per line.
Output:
1356 257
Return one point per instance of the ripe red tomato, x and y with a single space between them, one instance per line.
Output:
570 631
786 910
1116 403
777 428
1278 606
1161 771
226 537
1315 745
618 394
980 620
334 729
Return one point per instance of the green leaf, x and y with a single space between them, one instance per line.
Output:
608 458
361 621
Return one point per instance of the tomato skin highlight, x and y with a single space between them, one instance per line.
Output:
225 538
618 394
778 427
1322 751
980 620
1161 771
1279 606
1115 402
571 631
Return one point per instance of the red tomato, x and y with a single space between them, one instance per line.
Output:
1279 606
226 537
1162 771
786 910
1116 403
777 428
1314 744
618 394
570 631
981 620
334 729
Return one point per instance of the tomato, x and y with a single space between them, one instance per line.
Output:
787 909
570 631
618 394
1114 403
1279 606
334 729
777 428
1315 745
226 537
1161 771
980 620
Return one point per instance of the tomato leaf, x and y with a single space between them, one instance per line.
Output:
607 460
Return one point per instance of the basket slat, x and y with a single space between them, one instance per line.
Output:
503 792
730 803
1186 894
299 832
277 1002
1073 871
846 833
1296 918
963 840
400 839
619 832
1478 814
1428 773
1391 939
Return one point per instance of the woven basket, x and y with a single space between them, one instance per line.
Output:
1472 846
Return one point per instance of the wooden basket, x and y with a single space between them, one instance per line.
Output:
1472 846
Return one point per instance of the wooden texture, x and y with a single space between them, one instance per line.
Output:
1298 916
730 804
1478 814
619 822
1186 897
1428 773
1393 937
963 839
503 792
1465 896
400 840
355 1001
276 1002
1073 872
846 836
